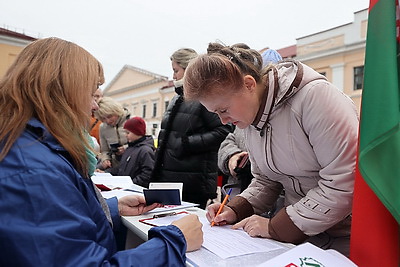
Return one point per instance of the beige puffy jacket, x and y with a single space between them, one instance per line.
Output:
112 135
304 140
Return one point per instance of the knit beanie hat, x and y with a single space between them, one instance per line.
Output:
136 125
270 56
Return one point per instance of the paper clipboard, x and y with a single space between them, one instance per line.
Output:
152 220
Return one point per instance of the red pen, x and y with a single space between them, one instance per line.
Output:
222 205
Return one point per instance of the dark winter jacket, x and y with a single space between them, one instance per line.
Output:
188 145
138 161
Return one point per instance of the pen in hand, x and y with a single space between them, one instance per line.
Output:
222 205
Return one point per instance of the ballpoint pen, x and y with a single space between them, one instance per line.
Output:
222 205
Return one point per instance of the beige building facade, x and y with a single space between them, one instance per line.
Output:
338 53
143 93
11 44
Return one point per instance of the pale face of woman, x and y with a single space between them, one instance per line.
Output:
98 95
93 102
239 108
110 120
94 105
178 71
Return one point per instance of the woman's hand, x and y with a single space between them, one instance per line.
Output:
134 205
121 150
105 164
255 226
191 229
234 161
227 215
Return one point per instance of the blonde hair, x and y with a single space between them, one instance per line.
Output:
107 107
183 56
52 80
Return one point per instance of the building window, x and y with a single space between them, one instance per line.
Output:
154 110
166 105
358 77
144 111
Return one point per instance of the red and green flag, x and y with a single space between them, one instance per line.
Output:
376 208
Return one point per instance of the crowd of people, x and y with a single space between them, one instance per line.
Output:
297 130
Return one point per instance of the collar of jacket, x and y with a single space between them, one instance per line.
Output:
123 118
179 86
179 90
274 93
141 139
37 128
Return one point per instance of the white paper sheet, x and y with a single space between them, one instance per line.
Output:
309 255
226 242
102 174
113 182
119 193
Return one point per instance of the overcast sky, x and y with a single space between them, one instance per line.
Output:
144 33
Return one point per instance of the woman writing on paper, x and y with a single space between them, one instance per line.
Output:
301 135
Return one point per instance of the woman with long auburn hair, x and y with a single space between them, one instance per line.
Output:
53 82
51 213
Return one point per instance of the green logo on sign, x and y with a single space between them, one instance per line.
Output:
310 262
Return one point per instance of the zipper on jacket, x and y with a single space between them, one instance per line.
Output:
295 183
268 153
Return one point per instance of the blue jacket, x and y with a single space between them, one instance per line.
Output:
50 215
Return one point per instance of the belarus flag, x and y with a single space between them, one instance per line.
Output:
376 209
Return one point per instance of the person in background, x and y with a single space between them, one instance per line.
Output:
138 159
96 145
233 148
95 122
51 213
113 141
270 56
188 141
301 134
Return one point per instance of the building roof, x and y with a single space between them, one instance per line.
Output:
6 32
168 85
148 73
288 52
155 79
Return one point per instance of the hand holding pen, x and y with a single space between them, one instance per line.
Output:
220 214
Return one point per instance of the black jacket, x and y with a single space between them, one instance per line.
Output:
188 146
137 161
